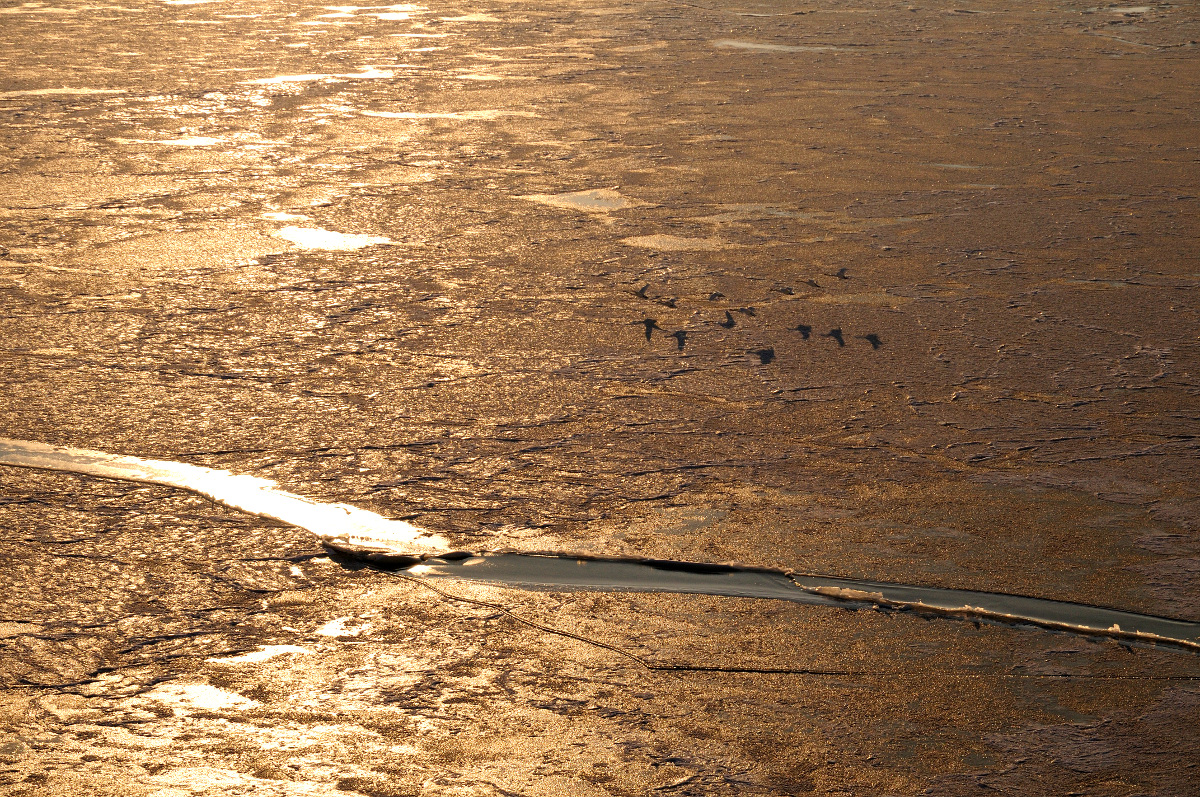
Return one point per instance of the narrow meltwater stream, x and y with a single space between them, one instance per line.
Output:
382 542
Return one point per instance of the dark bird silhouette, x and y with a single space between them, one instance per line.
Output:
750 311
804 329
669 301
812 282
874 340
680 337
641 292
712 297
786 290
840 274
836 334
764 355
728 323
650 324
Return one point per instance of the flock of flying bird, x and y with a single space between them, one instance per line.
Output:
764 355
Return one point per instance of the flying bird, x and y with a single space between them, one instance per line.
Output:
840 274
804 329
641 292
650 323
812 282
836 334
750 311
680 337
874 340
712 297
764 355
728 323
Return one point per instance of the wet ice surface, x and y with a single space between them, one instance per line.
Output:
513 374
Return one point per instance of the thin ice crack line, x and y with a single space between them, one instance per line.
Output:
524 620
365 535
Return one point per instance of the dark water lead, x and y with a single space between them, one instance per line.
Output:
359 534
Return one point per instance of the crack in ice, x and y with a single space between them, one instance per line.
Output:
392 544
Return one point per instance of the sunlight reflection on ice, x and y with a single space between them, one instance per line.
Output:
474 17
284 216
34 8
330 522
264 653
368 73
191 141
394 7
491 114
316 238
62 90
342 627
776 48
198 696
673 243
596 200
